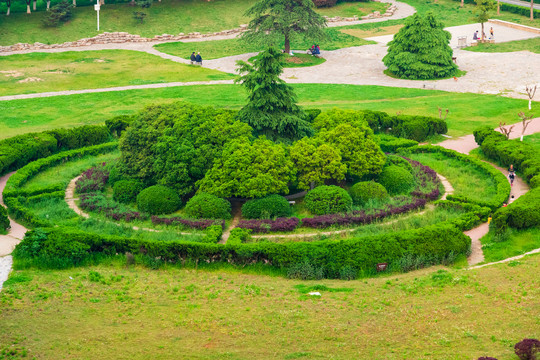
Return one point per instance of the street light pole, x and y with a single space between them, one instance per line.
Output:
96 7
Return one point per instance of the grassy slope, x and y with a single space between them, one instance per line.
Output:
532 45
350 9
21 116
94 69
137 313
515 242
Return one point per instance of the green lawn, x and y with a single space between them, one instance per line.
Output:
533 139
350 9
514 242
532 45
22 116
221 48
73 70
114 311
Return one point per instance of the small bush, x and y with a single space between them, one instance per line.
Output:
364 191
527 349
118 124
213 234
93 179
390 143
207 206
158 199
348 273
305 271
396 179
4 220
59 13
328 200
126 191
266 208
238 236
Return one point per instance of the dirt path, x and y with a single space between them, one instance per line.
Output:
9 241
464 145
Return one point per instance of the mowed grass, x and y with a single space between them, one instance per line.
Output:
75 70
221 48
466 179
170 16
532 45
513 242
114 311
350 9
29 115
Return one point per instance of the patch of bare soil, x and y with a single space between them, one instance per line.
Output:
30 79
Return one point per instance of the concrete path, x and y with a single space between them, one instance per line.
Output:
9 241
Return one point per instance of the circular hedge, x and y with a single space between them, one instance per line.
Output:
363 191
268 207
207 206
158 199
396 179
126 191
328 200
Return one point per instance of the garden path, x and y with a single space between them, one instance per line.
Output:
464 145
10 240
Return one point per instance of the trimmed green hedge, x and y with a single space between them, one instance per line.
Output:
126 191
158 199
390 144
363 191
207 206
328 199
503 186
269 207
521 10
522 213
437 242
4 220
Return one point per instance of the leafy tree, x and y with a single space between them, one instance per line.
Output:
420 50
316 163
482 10
271 108
285 19
250 170
357 148
175 144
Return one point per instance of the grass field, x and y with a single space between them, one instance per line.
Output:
22 116
532 45
114 311
74 70
350 9
221 48
514 242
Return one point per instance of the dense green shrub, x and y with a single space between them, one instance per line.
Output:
212 234
520 10
389 143
267 208
207 206
421 50
363 191
239 236
305 271
118 124
396 179
418 128
82 136
311 114
4 219
328 200
398 161
158 199
126 191
19 150
59 13
522 213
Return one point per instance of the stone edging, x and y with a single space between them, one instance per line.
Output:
124 37
515 26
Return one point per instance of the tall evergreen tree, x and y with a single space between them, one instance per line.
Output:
271 109
421 50
285 19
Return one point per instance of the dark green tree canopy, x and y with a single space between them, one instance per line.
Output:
421 50
271 110
272 19
175 144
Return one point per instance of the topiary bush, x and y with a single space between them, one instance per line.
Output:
207 206
126 191
527 349
158 199
396 179
4 220
363 191
328 200
266 208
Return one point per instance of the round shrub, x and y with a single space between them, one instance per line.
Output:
266 208
328 200
207 206
158 199
527 349
126 191
396 179
363 191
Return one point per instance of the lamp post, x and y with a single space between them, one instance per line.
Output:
96 7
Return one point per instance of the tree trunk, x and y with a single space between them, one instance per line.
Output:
530 104
48 4
8 10
287 44
34 7
102 2
462 4
498 8
74 3
482 34
28 8
532 10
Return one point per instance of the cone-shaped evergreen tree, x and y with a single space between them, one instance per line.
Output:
421 50
271 109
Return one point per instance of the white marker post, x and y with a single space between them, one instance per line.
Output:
96 7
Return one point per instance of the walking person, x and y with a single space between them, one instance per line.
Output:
491 34
198 59
511 174
193 58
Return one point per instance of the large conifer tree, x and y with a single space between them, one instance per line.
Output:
421 50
